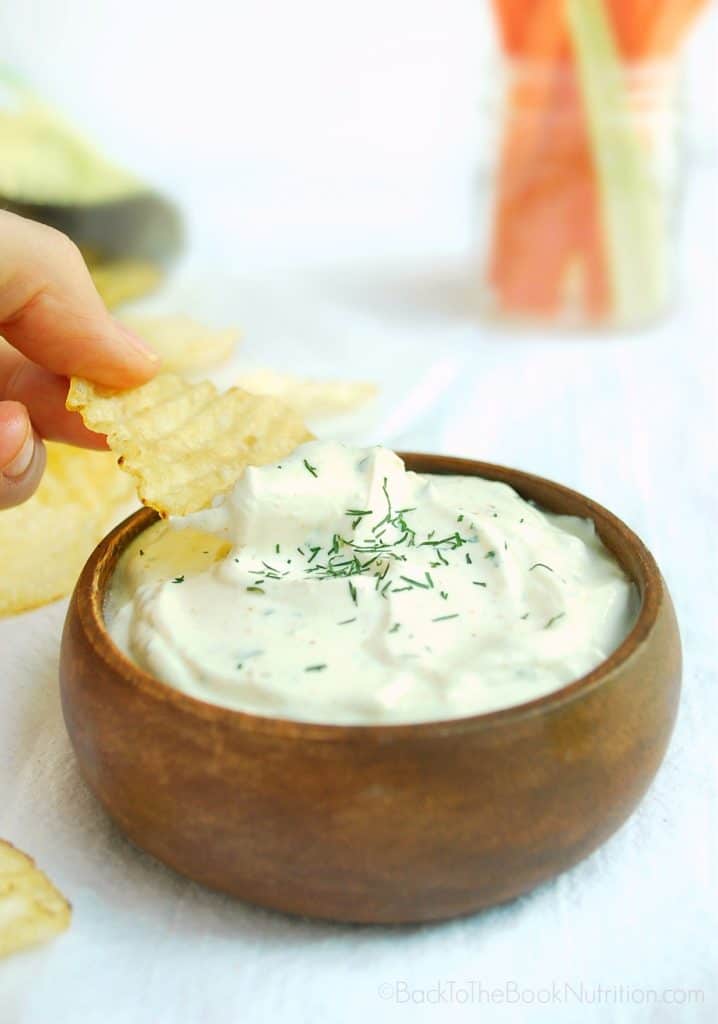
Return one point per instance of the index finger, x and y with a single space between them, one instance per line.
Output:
51 312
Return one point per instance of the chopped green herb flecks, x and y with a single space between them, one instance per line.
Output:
178 579
379 548
415 583
315 668
388 516
271 569
553 619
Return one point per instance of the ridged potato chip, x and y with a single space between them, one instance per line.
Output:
121 281
32 910
45 542
308 398
185 442
182 343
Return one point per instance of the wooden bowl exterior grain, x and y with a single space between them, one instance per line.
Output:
375 823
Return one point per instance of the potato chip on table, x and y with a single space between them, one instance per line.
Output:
32 910
185 442
45 542
184 344
309 398
121 281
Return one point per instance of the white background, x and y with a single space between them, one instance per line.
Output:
328 156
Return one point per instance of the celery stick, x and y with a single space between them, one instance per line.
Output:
632 200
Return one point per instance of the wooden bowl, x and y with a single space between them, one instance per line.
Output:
390 823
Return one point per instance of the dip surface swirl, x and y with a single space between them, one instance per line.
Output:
337 587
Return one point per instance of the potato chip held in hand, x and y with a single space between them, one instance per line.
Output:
32 910
185 442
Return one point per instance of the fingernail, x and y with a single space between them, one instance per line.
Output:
22 460
137 343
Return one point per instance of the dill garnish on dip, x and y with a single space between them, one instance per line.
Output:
345 589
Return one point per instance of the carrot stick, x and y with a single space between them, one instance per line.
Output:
669 26
651 28
529 99
544 170
557 261
629 20
511 18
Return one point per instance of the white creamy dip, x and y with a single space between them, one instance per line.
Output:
337 587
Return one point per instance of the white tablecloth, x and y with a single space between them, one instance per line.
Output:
631 421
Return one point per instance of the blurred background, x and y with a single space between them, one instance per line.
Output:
291 134
332 166
295 134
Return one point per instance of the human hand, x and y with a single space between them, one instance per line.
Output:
56 326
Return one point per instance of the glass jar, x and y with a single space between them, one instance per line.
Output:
580 196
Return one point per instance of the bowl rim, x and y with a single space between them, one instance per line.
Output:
89 598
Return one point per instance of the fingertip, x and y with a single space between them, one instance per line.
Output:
15 432
144 362
145 351
117 359
17 486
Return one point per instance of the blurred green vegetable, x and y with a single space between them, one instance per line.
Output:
50 173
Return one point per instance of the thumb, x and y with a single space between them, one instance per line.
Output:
22 455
